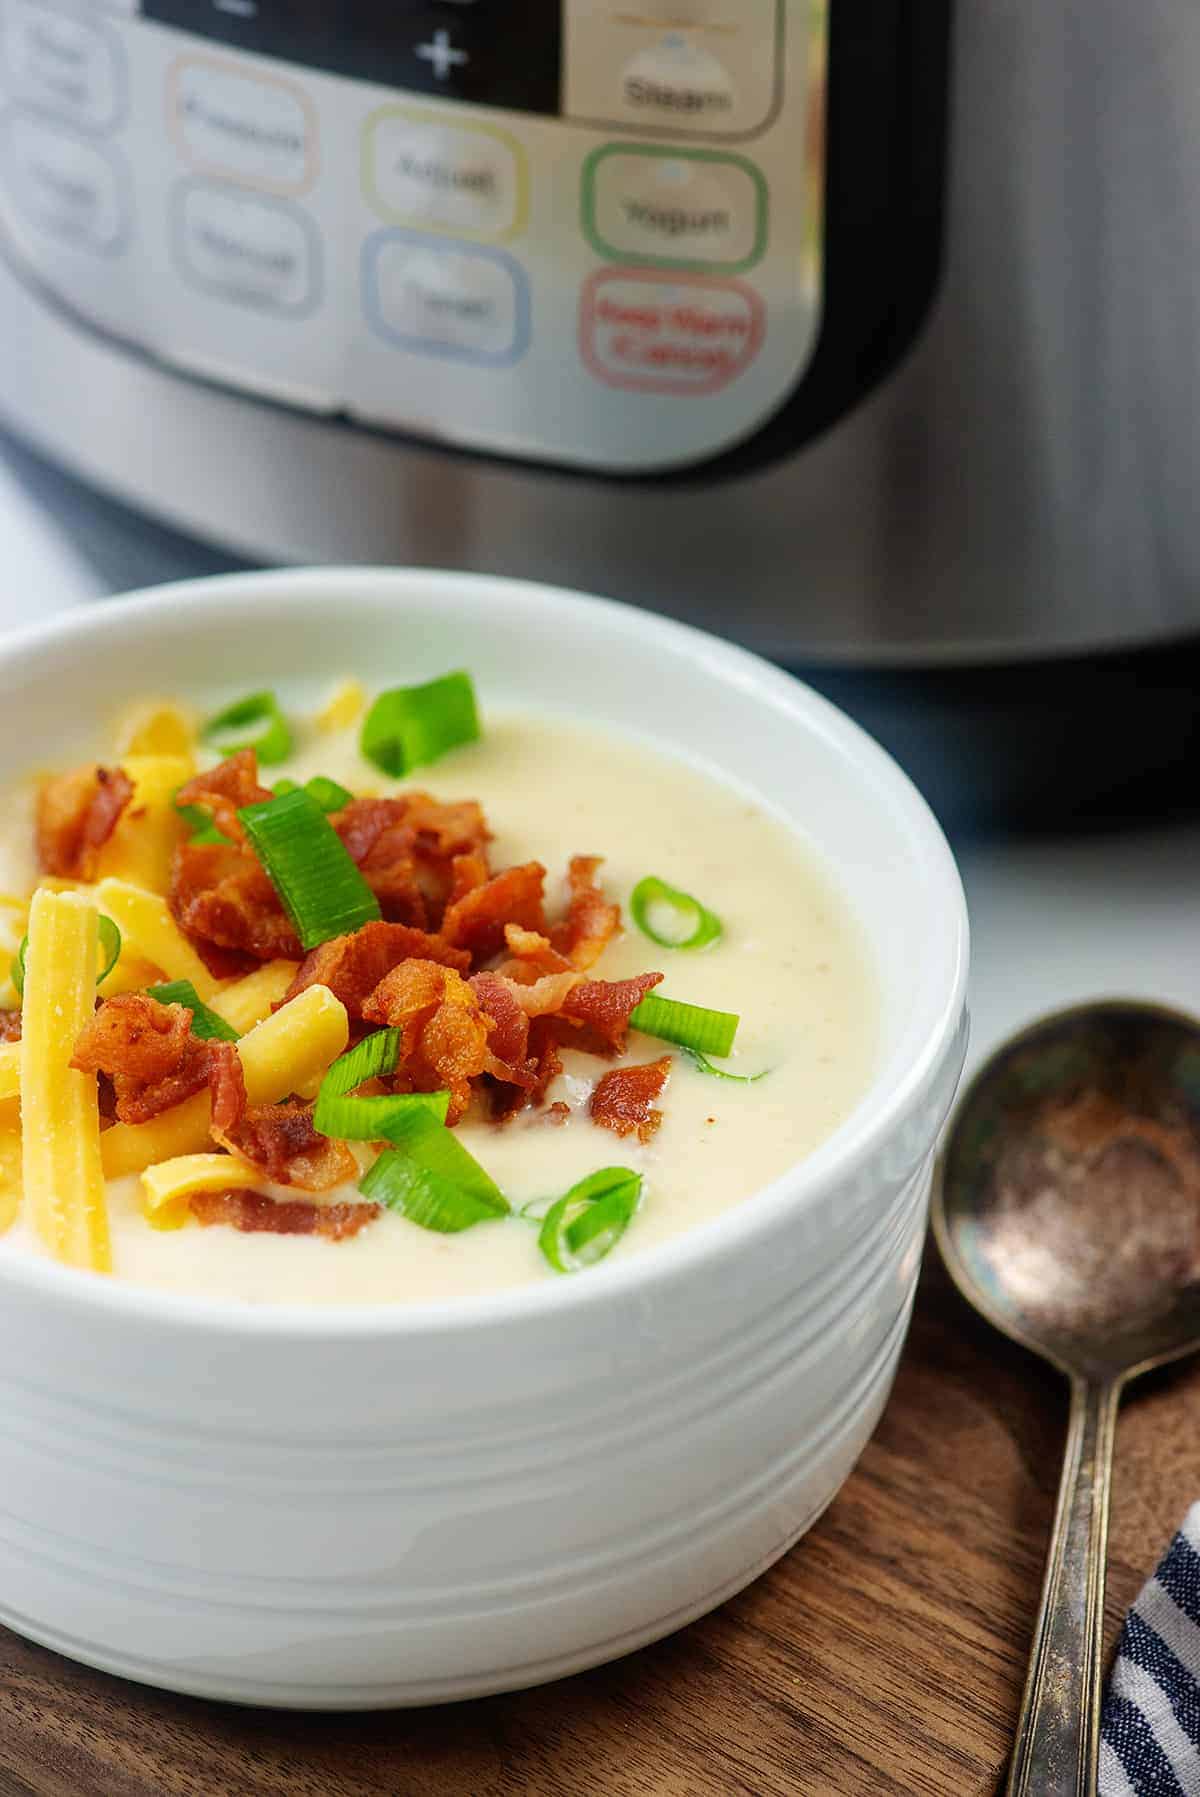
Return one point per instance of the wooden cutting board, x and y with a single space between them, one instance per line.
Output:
885 1654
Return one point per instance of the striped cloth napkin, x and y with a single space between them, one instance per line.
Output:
1150 1729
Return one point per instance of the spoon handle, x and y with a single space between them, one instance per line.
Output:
1058 1736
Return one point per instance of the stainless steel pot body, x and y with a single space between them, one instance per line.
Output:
1022 483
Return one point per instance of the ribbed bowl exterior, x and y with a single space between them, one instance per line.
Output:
443 1515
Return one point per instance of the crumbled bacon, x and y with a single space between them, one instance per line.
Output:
154 1062
623 1101
443 1030
221 898
543 1050
509 1040
10 1026
352 966
466 873
530 955
76 815
227 1083
254 1213
222 791
591 921
477 920
280 1140
603 1007
407 849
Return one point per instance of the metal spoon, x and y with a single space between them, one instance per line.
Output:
1067 1208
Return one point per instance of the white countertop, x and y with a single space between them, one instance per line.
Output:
1054 921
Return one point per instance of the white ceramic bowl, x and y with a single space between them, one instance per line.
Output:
364 1508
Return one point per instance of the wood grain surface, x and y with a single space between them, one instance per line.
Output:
884 1655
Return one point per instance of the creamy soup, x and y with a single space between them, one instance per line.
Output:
790 962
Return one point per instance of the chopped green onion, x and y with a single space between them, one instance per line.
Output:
110 950
672 918
200 824
350 1119
307 863
255 722
110 946
430 1178
691 1026
702 1062
374 1055
589 1222
328 794
205 1023
412 725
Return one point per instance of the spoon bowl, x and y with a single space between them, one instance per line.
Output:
1066 1206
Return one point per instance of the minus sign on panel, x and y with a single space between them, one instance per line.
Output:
243 9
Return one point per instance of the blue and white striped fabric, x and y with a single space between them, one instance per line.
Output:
1150 1732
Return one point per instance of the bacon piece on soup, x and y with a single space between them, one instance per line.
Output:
254 1213
10 1026
509 1039
543 1049
352 966
466 873
280 1140
477 921
443 1030
603 1007
76 815
221 899
530 955
227 1083
624 1099
407 848
222 791
591 921
154 1062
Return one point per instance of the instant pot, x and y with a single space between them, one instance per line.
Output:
864 331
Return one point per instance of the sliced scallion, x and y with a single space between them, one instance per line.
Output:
306 861
205 1023
590 1220
255 722
350 1119
328 794
409 726
110 954
201 827
430 1178
672 918
690 1026
704 1065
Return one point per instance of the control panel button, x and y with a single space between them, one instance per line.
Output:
256 252
468 304
675 208
64 62
703 67
468 180
64 184
669 334
253 128
503 53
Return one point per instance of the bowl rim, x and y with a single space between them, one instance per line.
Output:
878 1114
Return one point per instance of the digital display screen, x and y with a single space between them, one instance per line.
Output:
504 53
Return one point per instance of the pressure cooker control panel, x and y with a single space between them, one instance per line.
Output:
576 231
